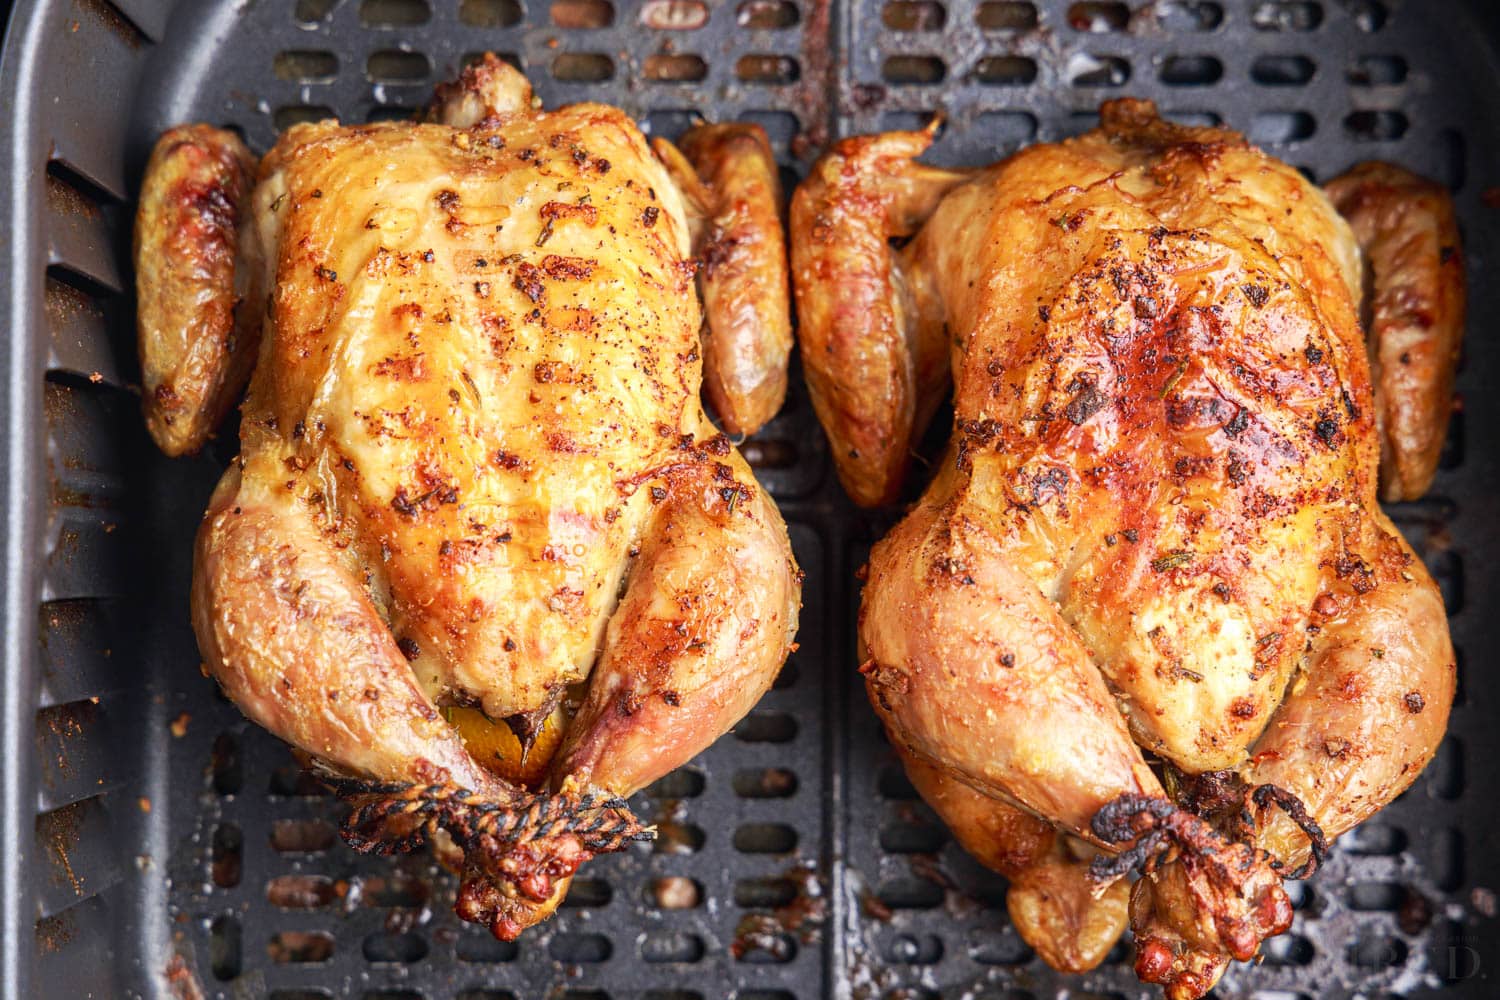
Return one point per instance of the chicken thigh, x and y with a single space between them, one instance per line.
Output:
1152 559
482 555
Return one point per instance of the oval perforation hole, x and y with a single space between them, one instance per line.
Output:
296 114
481 947
1000 948
486 995
1376 126
674 15
1282 71
583 67
311 13
583 14
1196 119
1374 839
580 949
769 454
1288 950
674 68
1189 15
674 892
1270 127
1286 15
684 783
1453 172
588 894
1098 71
912 838
765 783
764 68
394 948
1376 896
910 894
475 58
302 836
762 726
292 780
392 113
1006 71
226 765
397 891
224 957
1377 71
300 995
916 70
1098 18
1445 775
395 66
1453 445
914 15
1367 15
789 673
300 892
765 838
490 13
768 15
226 855
1006 15
678 838
672 947
300 947
1375 951
1448 862
915 949
305 66
393 13
893 784
1190 71
764 893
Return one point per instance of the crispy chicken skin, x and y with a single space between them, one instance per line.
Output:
1155 527
477 491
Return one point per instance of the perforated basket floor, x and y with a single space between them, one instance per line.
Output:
177 851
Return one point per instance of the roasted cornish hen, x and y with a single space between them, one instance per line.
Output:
483 557
1149 613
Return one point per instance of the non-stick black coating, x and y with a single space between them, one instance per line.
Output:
154 833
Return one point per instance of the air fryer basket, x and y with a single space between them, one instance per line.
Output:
155 844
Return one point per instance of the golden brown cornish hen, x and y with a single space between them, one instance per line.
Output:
1155 534
476 482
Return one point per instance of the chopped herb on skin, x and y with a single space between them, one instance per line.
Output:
1173 379
1171 560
